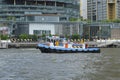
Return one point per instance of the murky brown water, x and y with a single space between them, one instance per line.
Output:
30 64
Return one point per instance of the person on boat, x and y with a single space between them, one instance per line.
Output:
51 44
56 43
86 45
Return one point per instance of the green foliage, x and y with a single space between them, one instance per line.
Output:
26 36
43 35
4 37
75 36
9 18
23 36
104 21
114 21
67 36
34 37
87 20
73 19
50 35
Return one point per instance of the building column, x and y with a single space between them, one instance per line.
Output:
44 3
36 2
63 5
55 4
91 11
25 2
14 2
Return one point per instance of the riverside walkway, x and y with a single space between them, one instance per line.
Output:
104 43
98 43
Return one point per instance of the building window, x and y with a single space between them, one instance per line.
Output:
30 18
41 32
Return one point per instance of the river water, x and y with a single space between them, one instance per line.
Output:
30 64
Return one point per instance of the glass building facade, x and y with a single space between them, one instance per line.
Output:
97 31
103 10
98 11
19 15
34 10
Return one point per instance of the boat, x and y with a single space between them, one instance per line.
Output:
67 48
61 45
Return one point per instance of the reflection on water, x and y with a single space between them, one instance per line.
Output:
30 64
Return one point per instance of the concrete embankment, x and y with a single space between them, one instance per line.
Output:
4 44
23 45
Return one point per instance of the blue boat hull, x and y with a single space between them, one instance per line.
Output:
48 49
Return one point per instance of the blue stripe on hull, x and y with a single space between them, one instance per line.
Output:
50 49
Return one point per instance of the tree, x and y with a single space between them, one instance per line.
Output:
26 36
75 36
23 36
50 35
4 37
116 20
